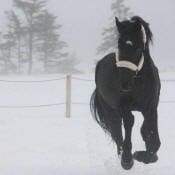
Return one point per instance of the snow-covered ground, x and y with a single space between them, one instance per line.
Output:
41 141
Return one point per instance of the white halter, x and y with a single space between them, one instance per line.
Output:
128 64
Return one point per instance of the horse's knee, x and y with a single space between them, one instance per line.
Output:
128 119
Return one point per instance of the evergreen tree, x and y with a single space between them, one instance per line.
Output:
50 45
33 37
31 9
17 32
109 43
6 47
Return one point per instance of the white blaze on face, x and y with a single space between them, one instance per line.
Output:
129 42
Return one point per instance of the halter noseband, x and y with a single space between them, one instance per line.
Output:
130 65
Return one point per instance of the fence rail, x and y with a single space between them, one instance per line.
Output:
61 78
39 81
68 102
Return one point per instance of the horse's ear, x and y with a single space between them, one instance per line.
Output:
117 21
118 24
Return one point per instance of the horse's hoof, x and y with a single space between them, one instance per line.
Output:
127 165
145 157
127 161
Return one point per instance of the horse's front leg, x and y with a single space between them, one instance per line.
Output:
150 135
127 158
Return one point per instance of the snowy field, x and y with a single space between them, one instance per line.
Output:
41 141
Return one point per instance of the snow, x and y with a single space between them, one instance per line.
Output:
41 141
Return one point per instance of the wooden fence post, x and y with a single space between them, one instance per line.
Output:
68 96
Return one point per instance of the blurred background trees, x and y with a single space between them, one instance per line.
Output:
32 41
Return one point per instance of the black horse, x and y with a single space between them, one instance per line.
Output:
127 81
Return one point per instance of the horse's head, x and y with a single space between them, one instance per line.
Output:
134 37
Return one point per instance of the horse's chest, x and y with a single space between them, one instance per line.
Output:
134 98
137 88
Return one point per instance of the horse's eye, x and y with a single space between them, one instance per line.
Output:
129 42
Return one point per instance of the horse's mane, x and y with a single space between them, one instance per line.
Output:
146 26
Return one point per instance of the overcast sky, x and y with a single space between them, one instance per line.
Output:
83 22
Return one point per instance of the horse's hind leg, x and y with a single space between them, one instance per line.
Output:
116 130
110 119
127 159
150 135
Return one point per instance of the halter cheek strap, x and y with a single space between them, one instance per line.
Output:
130 65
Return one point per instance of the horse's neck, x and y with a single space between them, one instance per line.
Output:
148 64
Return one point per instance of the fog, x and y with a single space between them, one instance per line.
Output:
83 22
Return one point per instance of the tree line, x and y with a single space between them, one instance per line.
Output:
32 38
32 41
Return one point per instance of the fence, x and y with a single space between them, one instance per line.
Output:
68 102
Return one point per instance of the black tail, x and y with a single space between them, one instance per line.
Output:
97 111
107 118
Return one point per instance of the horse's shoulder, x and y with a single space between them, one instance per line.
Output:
107 61
106 68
